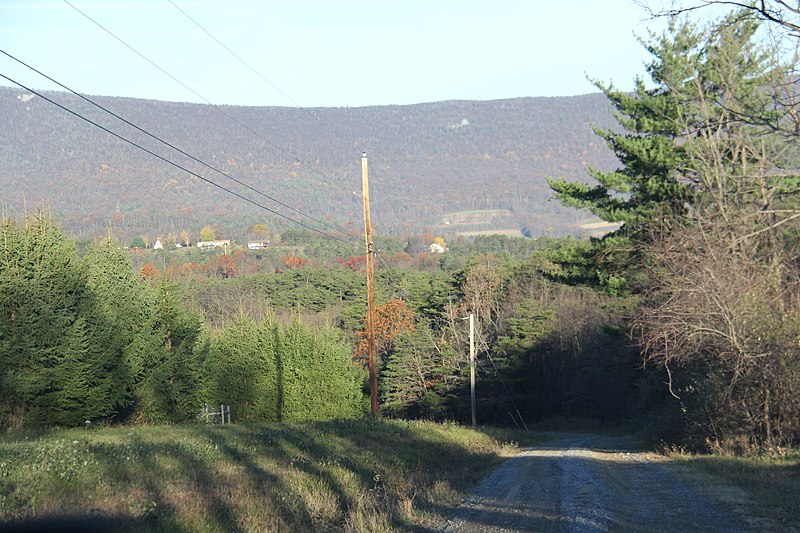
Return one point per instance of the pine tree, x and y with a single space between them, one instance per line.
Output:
54 369
242 366
171 375
420 375
647 187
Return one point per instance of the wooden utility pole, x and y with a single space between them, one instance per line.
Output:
373 373
472 366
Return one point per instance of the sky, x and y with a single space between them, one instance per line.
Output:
325 53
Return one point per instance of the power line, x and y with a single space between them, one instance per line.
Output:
206 100
176 165
257 73
159 139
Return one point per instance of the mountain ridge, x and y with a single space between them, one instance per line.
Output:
426 161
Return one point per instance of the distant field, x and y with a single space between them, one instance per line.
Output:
316 476
478 216
602 225
506 232
598 228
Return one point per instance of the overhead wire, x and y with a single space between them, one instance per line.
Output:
172 163
177 149
257 73
197 94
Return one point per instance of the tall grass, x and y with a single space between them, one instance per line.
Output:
323 476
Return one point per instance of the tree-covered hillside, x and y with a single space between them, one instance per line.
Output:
426 161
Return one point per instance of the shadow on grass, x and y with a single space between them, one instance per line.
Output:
773 483
78 522
244 478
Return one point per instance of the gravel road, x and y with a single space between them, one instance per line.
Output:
589 483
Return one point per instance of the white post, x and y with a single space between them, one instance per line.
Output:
472 366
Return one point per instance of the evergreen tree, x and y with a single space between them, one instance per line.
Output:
242 366
171 373
123 307
54 369
420 375
647 187
317 377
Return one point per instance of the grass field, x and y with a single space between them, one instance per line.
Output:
771 479
324 476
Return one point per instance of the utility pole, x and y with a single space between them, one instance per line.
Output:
373 373
472 366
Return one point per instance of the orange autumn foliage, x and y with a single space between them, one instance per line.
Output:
149 272
293 261
391 319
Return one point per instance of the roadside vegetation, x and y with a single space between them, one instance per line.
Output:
310 476
770 478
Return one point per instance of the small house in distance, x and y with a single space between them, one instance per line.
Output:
257 245
437 248
213 244
158 245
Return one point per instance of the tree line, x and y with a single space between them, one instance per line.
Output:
87 336
707 193
84 338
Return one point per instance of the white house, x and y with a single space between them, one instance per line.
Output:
257 245
213 244
437 248
158 245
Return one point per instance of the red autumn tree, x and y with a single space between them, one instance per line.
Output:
357 262
149 272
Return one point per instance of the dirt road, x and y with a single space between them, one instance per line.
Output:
589 483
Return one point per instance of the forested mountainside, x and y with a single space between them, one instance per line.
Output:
427 161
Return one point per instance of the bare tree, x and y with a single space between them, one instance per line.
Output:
781 13
731 316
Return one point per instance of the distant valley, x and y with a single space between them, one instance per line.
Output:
447 167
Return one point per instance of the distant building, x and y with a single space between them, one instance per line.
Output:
257 245
437 248
213 244
158 245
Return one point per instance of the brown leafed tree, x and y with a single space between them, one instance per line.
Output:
149 272
391 319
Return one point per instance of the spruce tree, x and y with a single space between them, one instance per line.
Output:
242 369
54 369
170 384
123 306
317 377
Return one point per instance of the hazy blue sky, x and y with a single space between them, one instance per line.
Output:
327 52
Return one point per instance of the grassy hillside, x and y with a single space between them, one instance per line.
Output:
324 476
426 161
